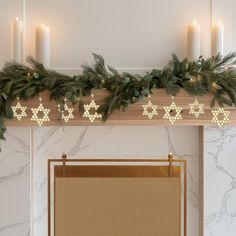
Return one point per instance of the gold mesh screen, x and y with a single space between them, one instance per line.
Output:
115 206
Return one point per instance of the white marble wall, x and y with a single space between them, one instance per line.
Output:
111 142
15 183
115 142
220 181
27 147
145 40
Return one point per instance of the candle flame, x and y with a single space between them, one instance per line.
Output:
17 18
43 25
219 22
194 22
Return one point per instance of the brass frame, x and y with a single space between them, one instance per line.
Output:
171 173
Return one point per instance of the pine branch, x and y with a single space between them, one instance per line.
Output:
215 75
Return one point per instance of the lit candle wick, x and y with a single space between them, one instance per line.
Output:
42 50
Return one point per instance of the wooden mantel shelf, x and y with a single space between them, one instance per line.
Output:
133 115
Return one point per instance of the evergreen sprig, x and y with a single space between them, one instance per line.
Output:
215 75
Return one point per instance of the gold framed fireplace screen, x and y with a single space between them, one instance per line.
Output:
117 197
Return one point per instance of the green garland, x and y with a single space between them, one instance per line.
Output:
214 75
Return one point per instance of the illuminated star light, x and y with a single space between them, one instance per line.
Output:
45 112
87 108
69 111
169 115
196 108
146 110
224 120
19 111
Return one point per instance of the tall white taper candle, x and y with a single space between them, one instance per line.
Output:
43 45
16 40
193 41
217 43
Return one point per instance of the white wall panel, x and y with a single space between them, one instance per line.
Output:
224 11
9 9
135 34
128 33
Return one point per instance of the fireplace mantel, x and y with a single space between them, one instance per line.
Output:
133 115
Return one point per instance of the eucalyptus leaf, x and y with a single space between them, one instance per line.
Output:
123 89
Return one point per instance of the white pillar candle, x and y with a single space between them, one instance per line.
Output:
217 37
193 41
16 40
43 45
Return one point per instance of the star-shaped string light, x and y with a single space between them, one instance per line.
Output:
172 113
87 112
19 111
196 108
67 112
150 110
41 109
224 116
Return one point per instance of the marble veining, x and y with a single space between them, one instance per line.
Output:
115 142
15 183
80 142
220 181
111 142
